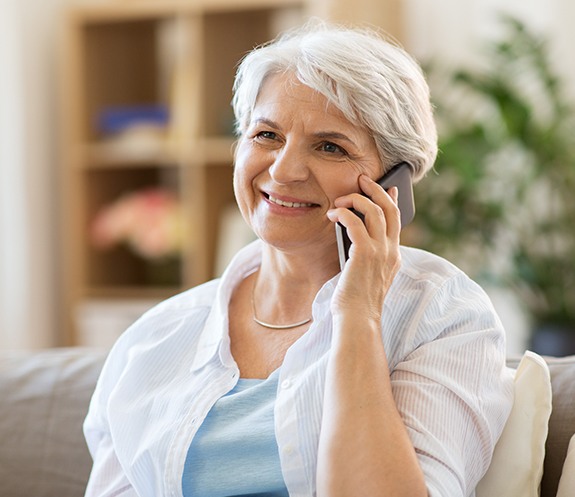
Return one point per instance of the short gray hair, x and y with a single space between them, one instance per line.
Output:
373 81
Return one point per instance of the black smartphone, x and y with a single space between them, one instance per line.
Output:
399 176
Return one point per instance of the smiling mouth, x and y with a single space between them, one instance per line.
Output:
288 204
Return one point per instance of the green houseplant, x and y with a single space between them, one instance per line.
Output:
503 202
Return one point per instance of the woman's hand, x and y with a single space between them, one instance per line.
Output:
374 256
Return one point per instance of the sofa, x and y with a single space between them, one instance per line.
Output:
44 397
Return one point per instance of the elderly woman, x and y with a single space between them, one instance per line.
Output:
288 376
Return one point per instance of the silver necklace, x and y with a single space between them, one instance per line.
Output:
274 326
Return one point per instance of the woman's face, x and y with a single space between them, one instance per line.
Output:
297 155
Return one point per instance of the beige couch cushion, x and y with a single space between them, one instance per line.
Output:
517 464
43 399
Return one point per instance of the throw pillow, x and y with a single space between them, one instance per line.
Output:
567 481
517 464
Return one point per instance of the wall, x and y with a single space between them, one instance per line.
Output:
28 172
453 30
13 259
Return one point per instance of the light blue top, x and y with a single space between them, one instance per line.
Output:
235 452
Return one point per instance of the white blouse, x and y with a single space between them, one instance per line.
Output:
446 352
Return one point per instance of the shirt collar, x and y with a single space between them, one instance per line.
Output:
215 332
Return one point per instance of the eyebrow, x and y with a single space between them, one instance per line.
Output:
323 135
333 135
269 122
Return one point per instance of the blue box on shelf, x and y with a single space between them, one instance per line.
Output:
113 120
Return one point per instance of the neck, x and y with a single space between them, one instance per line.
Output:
286 284
298 270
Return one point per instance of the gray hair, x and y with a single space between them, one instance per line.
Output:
371 80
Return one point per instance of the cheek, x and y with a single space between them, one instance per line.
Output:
345 180
241 190
340 184
245 172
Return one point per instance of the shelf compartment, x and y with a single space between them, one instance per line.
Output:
118 265
121 67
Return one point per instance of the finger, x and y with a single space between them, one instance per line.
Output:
393 192
372 214
354 229
393 226
387 201
348 218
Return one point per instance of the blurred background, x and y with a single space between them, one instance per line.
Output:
115 139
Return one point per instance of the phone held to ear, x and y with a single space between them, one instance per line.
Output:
399 176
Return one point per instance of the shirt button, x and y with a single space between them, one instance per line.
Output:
286 384
288 450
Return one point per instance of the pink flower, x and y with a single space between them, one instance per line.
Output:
148 221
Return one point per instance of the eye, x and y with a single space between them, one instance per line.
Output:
332 148
266 135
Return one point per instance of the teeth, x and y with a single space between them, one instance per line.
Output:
288 204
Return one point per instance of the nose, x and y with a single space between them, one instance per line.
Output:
290 165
